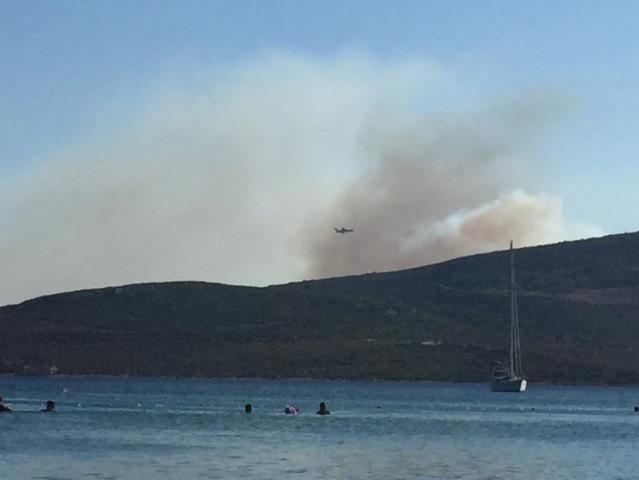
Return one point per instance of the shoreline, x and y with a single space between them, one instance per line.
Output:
307 379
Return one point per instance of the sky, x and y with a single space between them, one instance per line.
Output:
223 141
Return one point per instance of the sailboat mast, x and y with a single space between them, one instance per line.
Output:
512 310
515 347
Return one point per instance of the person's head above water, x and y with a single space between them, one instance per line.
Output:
248 408
323 410
50 406
3 408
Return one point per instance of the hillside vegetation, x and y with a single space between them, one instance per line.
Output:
578 303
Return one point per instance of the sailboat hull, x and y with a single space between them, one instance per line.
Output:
508 385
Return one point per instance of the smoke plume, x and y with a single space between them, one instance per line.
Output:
440 188
240 177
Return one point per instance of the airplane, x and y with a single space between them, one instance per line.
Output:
343 230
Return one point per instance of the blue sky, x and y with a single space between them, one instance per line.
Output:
69 68
63 61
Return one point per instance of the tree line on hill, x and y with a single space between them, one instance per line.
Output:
578 303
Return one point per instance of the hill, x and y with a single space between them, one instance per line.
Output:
579 315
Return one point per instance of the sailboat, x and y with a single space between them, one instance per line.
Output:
509 378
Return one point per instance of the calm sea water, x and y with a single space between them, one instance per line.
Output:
137 428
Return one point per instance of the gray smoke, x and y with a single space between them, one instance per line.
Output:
240 179
443 187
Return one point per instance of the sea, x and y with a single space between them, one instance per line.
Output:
108 428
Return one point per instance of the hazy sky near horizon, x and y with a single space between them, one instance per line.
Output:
222 141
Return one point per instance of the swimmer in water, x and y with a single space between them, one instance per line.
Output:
248 408
290 410
322 409
3 407
50 406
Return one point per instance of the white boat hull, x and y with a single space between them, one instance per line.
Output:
508 385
